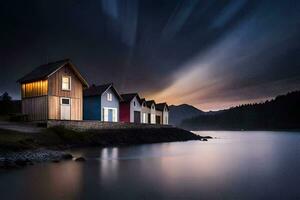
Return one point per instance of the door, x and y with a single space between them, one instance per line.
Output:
65 109
149 118
157 119
110 114
137 117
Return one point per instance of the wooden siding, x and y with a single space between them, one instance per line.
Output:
34 89
54 108
55 92
35 108
55 84
76 109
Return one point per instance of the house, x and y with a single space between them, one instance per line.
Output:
162 113
152 112
53 91
101 103
130 108
144 111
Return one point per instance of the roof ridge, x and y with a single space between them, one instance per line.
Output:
58 61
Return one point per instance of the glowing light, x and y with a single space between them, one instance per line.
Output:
37 88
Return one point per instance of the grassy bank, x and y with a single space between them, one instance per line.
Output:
60 138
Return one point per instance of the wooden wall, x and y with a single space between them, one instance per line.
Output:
55 92
36 108
55 84
54 108
76 109
34 89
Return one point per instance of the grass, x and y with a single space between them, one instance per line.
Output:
15 141
61 138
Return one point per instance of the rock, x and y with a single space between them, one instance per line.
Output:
80 159
204 139
66 157
7 164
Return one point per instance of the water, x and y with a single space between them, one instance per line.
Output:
237 165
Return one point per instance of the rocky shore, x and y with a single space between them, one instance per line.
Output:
11 160
19 149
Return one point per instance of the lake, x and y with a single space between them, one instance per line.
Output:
235 165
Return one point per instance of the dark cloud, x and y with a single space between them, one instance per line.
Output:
142 45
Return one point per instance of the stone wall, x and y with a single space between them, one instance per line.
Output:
96 125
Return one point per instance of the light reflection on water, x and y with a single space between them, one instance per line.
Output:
236 165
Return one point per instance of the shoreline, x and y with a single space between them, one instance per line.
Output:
20 149
249 130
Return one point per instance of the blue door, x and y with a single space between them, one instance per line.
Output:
110 115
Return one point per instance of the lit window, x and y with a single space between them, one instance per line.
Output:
109 96
66 83
152 118
144 118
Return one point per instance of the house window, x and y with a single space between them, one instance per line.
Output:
152 107
66 83
65 101
144 119
134 103
152 118
109 96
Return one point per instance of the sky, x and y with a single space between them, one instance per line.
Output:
212 54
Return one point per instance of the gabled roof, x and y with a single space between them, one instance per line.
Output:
142 101
100 89
161 106
128 97
46 70
149 103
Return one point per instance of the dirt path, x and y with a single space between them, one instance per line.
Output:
21 127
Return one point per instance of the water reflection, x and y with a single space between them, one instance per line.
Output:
109 164
237 165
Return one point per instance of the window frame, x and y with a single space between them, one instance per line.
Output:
63 98
62 83
109 96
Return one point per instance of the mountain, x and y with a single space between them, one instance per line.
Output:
277 114
181 112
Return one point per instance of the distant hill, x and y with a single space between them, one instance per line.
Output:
283 112
181 112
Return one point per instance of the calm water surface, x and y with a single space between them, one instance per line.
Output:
236 165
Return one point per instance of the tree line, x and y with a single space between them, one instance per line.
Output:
283 112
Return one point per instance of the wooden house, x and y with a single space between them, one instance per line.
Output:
152 111
162 113
53 91
130 108
101 103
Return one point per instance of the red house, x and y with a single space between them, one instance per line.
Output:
130 108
